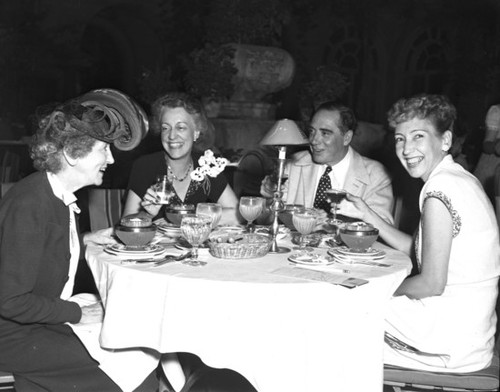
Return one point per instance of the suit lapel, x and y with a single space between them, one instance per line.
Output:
357 176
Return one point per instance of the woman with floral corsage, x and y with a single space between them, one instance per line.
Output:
196 177
443 317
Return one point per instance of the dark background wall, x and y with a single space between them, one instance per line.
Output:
51 50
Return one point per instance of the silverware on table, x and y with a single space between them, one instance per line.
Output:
165 259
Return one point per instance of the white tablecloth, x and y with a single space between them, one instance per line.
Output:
281 333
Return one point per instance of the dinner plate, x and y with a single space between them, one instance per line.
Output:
120 249
342 256
309 259
369 253
237 228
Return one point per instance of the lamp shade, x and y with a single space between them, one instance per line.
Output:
284 133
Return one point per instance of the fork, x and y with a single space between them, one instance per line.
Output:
171 258
165 259
372 263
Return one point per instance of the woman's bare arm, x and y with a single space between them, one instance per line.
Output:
437 234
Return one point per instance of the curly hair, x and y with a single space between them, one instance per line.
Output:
188 102
56 134
436 108
348 120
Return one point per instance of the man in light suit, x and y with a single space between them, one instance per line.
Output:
330 134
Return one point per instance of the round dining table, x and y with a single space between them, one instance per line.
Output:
283 326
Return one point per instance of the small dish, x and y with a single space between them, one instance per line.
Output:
310 259
367 253
311 240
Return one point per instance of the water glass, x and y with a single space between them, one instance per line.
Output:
195 230
304 221
164 190
212 210
250 209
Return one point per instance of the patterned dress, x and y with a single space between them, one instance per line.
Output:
454 331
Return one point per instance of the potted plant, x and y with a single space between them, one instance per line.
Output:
251 29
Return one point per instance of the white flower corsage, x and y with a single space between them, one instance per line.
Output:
209 166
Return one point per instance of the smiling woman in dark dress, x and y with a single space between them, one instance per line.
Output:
181 120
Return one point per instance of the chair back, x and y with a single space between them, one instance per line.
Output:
105 207
6 381
497 193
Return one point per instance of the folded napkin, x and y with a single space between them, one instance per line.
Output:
321 276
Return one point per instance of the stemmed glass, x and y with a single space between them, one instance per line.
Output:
195 230
304 221
335 196
250 209
212 210
164 190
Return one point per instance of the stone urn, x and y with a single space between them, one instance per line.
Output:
262 70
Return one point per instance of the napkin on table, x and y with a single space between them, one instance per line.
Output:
321 276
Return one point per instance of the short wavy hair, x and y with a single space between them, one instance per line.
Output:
348 120
188 102
60 130
437 109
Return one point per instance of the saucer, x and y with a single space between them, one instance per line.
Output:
310 259
169 229
120 249
370 253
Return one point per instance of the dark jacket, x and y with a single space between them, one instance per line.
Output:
34 258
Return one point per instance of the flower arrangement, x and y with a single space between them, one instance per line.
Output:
210 166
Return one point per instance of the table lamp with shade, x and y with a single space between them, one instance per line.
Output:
283 133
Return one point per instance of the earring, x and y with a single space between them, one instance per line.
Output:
445 148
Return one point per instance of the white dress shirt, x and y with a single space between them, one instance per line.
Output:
338 173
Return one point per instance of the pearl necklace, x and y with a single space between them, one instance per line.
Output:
180 179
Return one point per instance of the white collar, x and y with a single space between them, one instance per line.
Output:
68 198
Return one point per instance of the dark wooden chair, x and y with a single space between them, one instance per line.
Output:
401 379
411 380
105 207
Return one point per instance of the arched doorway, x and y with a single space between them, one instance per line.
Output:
122 41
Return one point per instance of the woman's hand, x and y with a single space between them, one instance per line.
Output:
354 207
100 237
322 218
93 313
150 202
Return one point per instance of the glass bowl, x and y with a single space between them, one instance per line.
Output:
175 212
358 236
135 230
